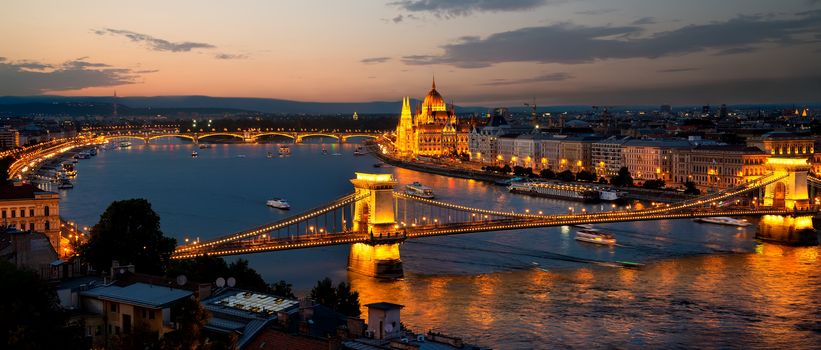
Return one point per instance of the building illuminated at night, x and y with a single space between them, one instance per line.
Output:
432 130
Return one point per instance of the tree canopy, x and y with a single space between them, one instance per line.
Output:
129 232
207 269
566 175
623 179
340 298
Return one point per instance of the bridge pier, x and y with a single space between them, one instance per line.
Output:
374 215
791 193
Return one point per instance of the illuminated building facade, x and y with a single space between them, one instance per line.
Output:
431 131
27 208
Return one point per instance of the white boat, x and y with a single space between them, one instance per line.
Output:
125 144
240 156
724 220
609 195
194 154
584 226
284 151
419 190
555 190
596 237
278 203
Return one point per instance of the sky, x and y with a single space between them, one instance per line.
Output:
482 52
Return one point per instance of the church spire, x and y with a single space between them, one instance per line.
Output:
433 85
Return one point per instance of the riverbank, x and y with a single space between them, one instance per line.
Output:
632 193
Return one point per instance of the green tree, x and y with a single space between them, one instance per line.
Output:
566 175
31 316
623 179
342 298
506 169
584 175
690 188
129 232
547 174
283 289
653 184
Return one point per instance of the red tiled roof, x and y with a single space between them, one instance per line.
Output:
274 339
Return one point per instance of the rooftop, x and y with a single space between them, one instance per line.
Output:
383 305
139 294
21 191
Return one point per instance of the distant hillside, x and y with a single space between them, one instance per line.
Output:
264 105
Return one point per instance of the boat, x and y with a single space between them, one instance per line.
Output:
724 220
508 182
584 226
379 165
68 169
417 189
554 190
82 155
609 195
194 154
284 151
93 152
324 150
359 151
270 155
240 156
204 146
596 237
125 144
278 203
336 154
65 184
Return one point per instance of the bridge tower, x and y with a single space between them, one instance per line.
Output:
791 193
374 215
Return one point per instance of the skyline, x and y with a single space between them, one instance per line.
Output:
481 52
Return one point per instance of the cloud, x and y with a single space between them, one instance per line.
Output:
457 8
30 77
397 19
230 56
573 44
736 50
374 60
560 76
154 43
595 12
678 70
644 21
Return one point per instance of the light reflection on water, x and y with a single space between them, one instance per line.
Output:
502 289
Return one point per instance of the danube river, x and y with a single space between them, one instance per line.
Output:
702 286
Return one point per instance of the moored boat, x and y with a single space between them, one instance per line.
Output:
65 184
125 144
359 151
558 191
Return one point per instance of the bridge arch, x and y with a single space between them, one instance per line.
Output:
130 137
274 133
172 135
239 136
347 137
299 138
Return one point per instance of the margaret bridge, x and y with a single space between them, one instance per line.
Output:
248 136
375 219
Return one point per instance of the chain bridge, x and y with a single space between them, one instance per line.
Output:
374 219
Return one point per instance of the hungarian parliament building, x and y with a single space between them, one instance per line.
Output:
432 130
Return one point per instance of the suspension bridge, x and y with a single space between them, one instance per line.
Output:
375 219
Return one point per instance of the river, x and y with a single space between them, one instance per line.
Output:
703 285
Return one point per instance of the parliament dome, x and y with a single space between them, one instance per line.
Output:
434 101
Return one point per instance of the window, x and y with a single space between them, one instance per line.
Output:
22 213
31 226
31 211
47 225
13 213
46 211
4 213
150 314
113 307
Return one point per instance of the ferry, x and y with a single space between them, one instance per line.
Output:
65 184
596 237
417 189
278 203
359 151
194 154
609 195
724 220
284 151
584 226
125 144
553 190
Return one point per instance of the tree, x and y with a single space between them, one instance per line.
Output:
5 164
283 289
566 175
584 175
129 232
654 184
547 174
208 269
342 299
191 318
522 171
31 316
602 180
623 179
506 169
690 188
